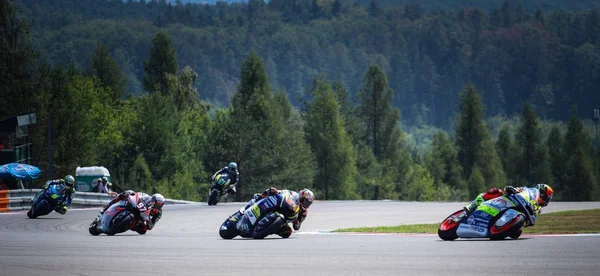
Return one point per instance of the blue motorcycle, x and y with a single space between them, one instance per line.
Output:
265 217
46 201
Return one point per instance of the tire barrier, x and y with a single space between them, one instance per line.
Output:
20 200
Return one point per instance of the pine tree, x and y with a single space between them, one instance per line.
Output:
532 154
378 115
381 131
443 164
16 62
475 147
581 182
161 62
105 68
556 152
325 133
505 147
336 7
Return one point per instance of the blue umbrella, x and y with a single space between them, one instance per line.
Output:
20 171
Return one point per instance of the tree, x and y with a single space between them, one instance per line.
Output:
475 148
16 62
556 151
505 147
105 68
255 129
442 163
580 176
378 115
381 131
327 138
374 8
336 7
161 62
532 154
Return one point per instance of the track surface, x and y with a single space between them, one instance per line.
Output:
185 242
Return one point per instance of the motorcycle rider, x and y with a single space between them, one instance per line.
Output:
144 202
542 194
303 199
66 187
233 173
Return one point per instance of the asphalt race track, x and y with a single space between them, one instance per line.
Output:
186 242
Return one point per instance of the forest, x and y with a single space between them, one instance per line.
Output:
355 100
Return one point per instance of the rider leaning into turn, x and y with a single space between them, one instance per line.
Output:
541 193
234 175
66 187
143 202
303 199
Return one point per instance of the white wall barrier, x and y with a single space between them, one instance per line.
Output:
20 200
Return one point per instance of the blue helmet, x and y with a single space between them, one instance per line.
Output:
233 166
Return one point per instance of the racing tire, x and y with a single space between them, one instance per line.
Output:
508 230
93 229
448 227
212 198
271 229
516 235
228 230
30 214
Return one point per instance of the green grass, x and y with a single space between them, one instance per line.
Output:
568 222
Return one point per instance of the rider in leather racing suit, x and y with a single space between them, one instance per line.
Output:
541 196
143 202
303 199
66 187
234 176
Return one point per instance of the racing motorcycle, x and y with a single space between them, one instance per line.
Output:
265 217
219 189
46 200
495 219
118 218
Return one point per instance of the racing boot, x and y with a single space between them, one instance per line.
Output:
470 208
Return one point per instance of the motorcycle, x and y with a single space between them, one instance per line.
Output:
117 219
265 217
219 189
495 219
46 200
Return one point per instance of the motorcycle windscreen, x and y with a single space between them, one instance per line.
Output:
104 221
507 218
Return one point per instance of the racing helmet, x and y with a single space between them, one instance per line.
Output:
69 182
546 194
233 166
129 193
306 198
157 201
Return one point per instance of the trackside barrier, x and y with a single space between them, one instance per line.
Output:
20 200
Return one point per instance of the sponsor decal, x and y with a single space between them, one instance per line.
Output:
470 219
477 228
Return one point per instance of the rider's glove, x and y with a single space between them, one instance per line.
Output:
271 191
511 190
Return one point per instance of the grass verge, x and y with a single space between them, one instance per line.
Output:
567 222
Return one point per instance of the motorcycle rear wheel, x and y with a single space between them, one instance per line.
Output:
447 229
271 229
512 228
